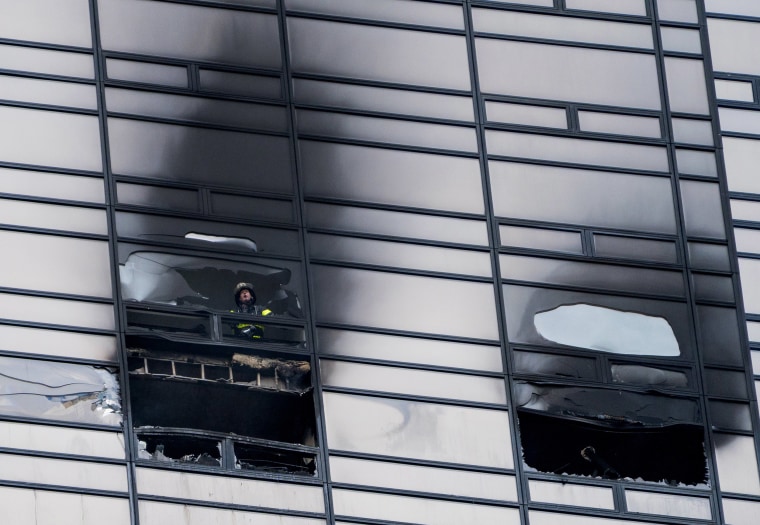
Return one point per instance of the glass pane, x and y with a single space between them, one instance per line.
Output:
157 197
541 239
747 240
736 511
385 100
57 311
409 350
53 216
52 185
50 92
725 383
696 162
228 490
413 429
419 510
522 114
635 248
591 275
542 3
35 507
392 131
574 74
576 151
677 10
172 152
737 464
724 34
50 138
147 73
549 518
242 38
686 85
60 440
693 131
739 120
401 11
660 318
623 7
248 207
57 343
713 288
197 109
554 365
404 302
59 391
617 124
741 156
413 382
730 416
423 479
397 224
709 256
720 335
734 90
585 197
388 176
35 60
668 504
378 53
515 23
703 211
571 494
680 40
742 210
648 376
247 85
401 255
83 267
50 21
158 513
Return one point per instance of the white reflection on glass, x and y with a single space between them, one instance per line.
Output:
647 375
742 157
607 330
734 90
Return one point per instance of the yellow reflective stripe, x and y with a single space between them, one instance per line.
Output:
266 311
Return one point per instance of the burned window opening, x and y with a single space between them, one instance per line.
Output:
611 434
180 387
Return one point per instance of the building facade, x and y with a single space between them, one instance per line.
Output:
495 248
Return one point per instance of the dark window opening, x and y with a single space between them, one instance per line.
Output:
268 459
180 449
609 433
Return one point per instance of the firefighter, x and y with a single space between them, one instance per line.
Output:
245 299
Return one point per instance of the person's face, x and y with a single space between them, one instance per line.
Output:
245 296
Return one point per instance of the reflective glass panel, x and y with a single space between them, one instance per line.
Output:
404 302
419 510
391 176
386 130
409 350
157 197
413 382
401 11
592 198
35 60
522 114
571 494
402 255
397 224
242 38
386 100
515 23
541 239
171 152
745 210
159 513
677 10
618 124
50 92
247 85
730 416
57 311
60 440
734 90
686 85
52 185
648 376
378 53
703 211
635 249
713 287
623 7
50 138
724 34
739 120
42 507
720 335
550 518
668 504
147 72
50 21
568 73
576 151
413 429
554 365
750 279
249 207
423 479
53 216
696 162
737 464
704 256
57 343
680 40
736 511
725 383
742 156
693 131
27 263
747 240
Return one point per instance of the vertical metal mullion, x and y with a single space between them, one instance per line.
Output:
493 236
130 439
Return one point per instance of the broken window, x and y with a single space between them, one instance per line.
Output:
611 434
60 391
196 403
